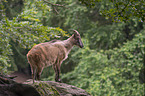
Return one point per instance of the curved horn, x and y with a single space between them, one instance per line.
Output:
76 31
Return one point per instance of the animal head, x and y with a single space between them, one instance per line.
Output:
77 39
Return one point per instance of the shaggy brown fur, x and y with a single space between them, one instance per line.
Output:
51 53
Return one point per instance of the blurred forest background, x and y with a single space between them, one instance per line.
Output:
112 62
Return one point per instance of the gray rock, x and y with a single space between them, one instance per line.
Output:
51 88
8 87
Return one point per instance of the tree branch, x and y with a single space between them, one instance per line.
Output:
56 10
54 4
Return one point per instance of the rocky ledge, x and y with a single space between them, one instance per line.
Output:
8 87
51 88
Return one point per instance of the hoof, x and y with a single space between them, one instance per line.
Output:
58 80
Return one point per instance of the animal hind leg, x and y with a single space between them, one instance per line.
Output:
39 71
33 70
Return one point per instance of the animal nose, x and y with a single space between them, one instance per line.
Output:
81 45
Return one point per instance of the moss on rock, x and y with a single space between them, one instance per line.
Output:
45 89
51 88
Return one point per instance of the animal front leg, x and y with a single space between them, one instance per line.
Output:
57 73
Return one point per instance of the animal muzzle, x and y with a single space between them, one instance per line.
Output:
81 44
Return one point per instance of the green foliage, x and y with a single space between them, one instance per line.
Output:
12 8
23 32
67 18
4 45
118 11
113 35
111 61
26 35
110 72
111 51
106 37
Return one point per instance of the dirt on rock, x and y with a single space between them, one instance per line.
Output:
21 77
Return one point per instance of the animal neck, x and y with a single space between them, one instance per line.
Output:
69 44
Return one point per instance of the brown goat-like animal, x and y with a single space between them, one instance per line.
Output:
51 53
